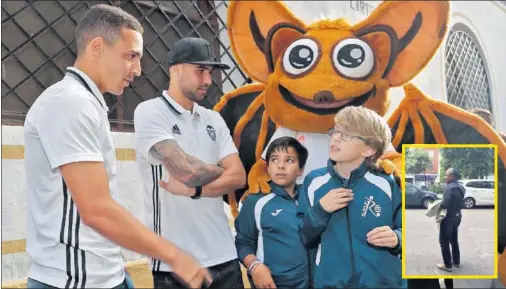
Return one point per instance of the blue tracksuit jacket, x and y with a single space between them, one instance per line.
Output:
267 226
344 258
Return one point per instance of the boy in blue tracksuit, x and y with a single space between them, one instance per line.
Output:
267 240
352 215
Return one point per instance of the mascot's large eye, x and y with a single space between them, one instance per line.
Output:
353 58
300 56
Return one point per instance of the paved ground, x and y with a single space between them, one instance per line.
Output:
476 241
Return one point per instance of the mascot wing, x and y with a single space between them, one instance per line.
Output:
421 120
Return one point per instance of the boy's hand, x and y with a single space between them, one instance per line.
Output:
262 277
336 199
383 237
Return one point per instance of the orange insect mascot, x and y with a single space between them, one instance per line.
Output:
306 73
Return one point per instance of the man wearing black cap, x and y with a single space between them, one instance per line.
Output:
188 161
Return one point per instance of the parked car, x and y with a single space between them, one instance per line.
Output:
478 193
416 197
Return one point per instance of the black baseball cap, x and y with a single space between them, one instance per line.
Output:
194 51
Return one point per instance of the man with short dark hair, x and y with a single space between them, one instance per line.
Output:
484 114
453 196
188 161
503 136
75 227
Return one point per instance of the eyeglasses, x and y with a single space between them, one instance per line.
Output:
333 132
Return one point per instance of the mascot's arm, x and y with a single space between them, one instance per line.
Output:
391 163
422 120
258 179
243 112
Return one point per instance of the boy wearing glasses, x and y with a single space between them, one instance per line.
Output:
351 213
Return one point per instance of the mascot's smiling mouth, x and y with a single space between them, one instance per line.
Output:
324 102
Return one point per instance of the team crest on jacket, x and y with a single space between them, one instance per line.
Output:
371 206
211 132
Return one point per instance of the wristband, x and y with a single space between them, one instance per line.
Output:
253 265
198 192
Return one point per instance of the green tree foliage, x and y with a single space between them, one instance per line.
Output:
472 163
417 161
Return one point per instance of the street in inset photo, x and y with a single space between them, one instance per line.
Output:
449 216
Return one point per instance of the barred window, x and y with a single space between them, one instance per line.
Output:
467 81
38 44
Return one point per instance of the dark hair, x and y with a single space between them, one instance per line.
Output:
502 135
286 142
483 113
104 21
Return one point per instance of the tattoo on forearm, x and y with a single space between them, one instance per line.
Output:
190 170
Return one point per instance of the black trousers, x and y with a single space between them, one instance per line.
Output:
449 234
226 275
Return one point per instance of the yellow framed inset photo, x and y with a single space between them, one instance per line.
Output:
449 214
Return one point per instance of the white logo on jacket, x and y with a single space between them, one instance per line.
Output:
277 212
371 206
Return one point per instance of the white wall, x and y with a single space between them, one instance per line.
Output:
486 19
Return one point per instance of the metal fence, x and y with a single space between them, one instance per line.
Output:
38 44
467 81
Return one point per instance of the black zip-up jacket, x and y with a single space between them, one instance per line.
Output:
453 199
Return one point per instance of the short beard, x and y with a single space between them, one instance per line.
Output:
190 95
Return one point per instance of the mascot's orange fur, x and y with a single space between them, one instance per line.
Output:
307 72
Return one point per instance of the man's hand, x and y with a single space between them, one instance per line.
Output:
262 277
336 199
89 185
383 237
189 271
176 187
